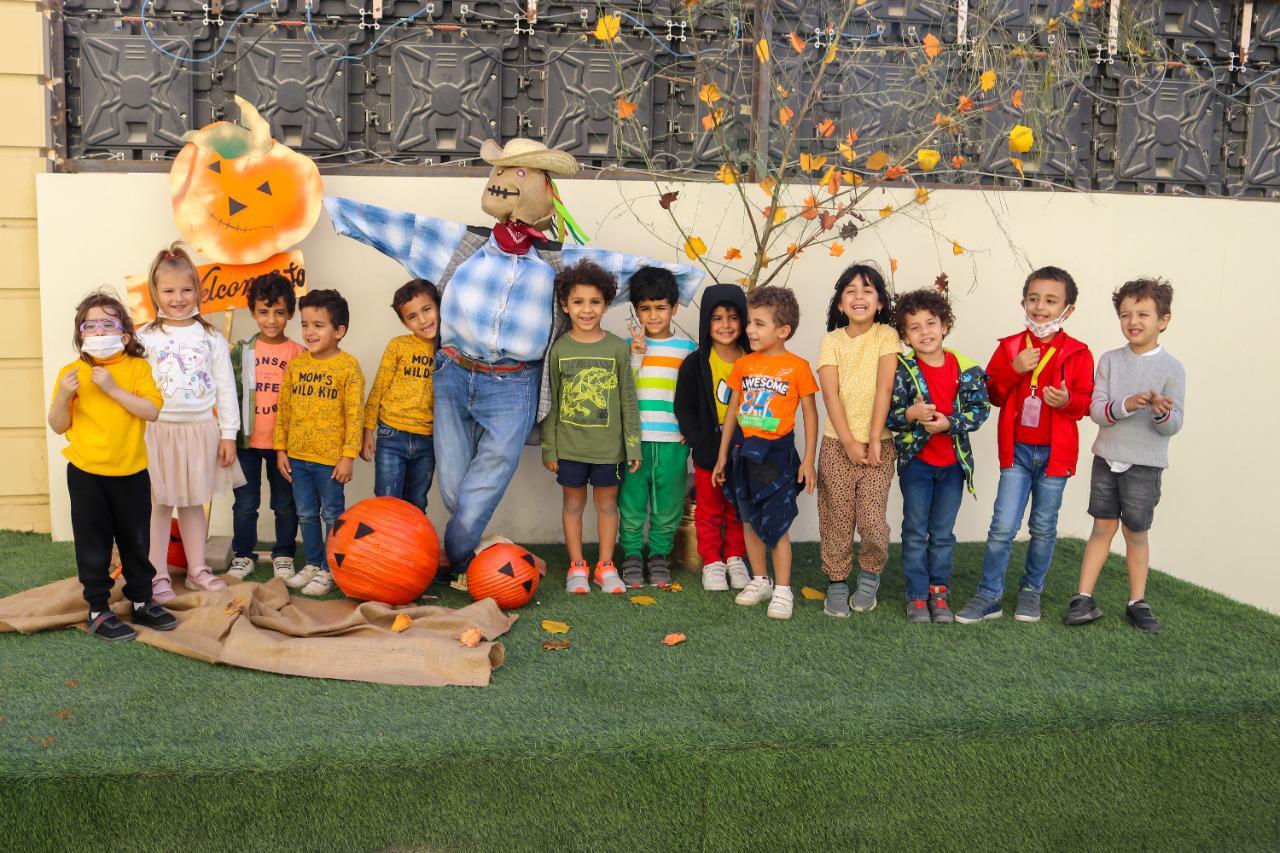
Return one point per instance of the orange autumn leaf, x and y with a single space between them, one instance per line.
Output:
809 593
552 627
234 606
886 210
987 81
675 587
626 109
851 179
836 250
694 248
893 265
793 250
767 185
927 158
826 127
733 254
555 645
932 47
401 622
831 180
810 210
1021 139
810 163
727 174
895 172
956 248
712 119
709 94
878 161
851 137
922 195
958 161
1016 100
847 152
471 638
608 27
797 43
674 639
785 115
762 51
66 714
1017 164
966 103
72 683
644 600
116 571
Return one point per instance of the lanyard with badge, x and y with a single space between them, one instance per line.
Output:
1032 405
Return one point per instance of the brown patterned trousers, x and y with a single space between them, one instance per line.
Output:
853 498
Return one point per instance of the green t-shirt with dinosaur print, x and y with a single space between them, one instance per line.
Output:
594 416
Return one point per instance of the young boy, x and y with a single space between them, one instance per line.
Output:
594 424
767 387
1042 380
400 401
1138 398
259 364
939 397
318 429
701 402
656 356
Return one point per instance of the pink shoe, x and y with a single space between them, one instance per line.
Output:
202 578
162 589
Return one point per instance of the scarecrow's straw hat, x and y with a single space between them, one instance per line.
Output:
527 152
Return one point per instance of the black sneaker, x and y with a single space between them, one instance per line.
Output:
1082 609
633 571
1139 616
108 627
155 617
659 571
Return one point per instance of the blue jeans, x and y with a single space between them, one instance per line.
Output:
318 497
244 510
482 421
403 465
930 502
1024 479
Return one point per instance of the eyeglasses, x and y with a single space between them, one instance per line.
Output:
101 326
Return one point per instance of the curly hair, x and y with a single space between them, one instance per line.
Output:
588 274
781 301
271 288
1053 274
331 301
1156 289
108 302
411 290
869 273
924 299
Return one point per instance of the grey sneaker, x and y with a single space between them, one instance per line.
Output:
939 608
1028 609
633 571
864 597
659 571
837 603
918 611
979 609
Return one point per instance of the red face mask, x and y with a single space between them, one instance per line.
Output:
514 237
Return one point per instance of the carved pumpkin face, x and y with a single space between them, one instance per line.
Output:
518 192
239 196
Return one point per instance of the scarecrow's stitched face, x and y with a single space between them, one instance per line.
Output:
518 192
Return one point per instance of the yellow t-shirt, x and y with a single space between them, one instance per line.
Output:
319 415
104 437
720 370
857 360
401 395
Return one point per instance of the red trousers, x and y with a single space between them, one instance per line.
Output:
716 520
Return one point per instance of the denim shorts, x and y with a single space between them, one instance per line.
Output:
1130 496
575 475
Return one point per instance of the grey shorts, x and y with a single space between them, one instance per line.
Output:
1130 496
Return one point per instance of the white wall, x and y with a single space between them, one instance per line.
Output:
95 229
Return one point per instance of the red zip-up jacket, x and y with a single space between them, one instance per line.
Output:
1073 363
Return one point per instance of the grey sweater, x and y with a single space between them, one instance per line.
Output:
1136 438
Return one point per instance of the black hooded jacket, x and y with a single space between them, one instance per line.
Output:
695 402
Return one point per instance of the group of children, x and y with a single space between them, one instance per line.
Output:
160 419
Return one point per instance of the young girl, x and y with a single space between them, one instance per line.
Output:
856 364
100 402
191 453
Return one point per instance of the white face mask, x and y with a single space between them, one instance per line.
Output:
193 312
102 346
1044 330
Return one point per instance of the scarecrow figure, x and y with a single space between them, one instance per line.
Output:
498 318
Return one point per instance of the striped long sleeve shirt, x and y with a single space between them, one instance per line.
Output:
656 386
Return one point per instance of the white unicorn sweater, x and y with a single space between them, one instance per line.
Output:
192 366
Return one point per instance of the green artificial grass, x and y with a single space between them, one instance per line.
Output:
817 733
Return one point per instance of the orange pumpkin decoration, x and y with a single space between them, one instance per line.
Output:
504 572
177 553
239 196
383 549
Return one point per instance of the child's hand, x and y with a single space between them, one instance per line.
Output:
1026 361
633 466
1139 401
857 452
367 448
552 465
807 477
920 411
873 452
938 423
69 386
226 452
638 345
1160 404
103 379
283 466
717 475
1057 397
342 471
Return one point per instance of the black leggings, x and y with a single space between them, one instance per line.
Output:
104 509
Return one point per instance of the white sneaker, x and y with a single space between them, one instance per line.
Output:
241 567
319 585
713 577
739 575
283 567
459 583
760 589
302 578
781 604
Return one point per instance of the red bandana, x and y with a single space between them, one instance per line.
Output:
514 237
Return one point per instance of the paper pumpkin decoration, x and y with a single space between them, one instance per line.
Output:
177 553
383 549
504 572
239 196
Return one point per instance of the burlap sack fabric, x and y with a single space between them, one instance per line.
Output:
260 626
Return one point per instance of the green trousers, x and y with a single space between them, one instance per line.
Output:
654 494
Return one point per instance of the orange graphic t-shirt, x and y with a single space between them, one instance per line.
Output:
268 372
771 387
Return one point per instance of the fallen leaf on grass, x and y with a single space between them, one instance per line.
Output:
555 645
471 638
73 684
66 714
675 587
811 594
45 742
401 622
643 600
674 639
553 627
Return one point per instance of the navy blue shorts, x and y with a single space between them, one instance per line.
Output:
575 475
